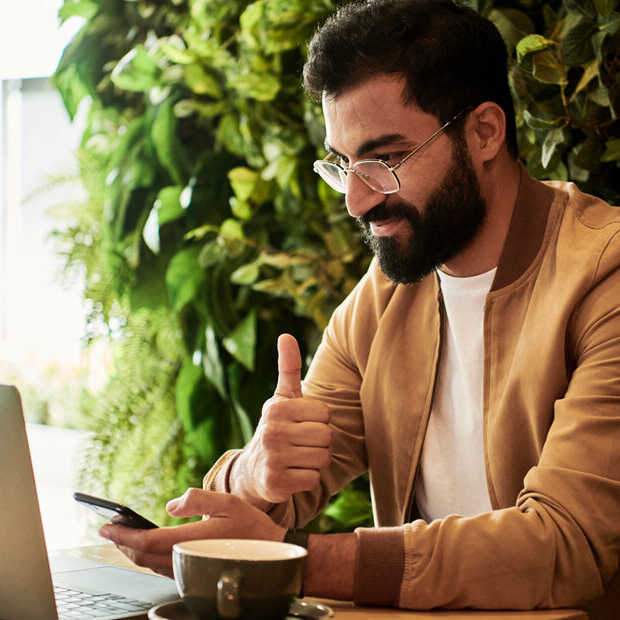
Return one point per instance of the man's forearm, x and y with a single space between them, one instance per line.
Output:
330 566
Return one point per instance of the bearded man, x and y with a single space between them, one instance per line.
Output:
473 371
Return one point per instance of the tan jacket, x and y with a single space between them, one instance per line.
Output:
551 421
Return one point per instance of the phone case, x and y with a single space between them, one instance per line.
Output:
115 512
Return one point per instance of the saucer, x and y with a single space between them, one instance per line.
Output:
177 611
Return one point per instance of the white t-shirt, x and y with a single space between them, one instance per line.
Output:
452 476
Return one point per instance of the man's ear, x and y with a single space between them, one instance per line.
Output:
486 132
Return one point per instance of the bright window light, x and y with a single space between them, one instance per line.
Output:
31 38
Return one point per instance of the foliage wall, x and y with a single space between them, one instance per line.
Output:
206 233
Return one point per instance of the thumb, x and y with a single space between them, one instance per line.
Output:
289 367
193 502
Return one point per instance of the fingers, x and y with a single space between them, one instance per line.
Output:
310 435
159 540
159 562
196 502
294 480
306 458
300 410
289 368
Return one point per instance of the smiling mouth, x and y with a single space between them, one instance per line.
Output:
385 228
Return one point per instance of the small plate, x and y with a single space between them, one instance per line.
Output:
177 611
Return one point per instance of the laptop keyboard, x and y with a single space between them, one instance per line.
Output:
77 604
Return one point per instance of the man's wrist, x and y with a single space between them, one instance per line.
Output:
330 566
236 478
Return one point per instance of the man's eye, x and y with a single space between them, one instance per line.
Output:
388 157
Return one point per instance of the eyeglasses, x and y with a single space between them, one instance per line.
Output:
376 174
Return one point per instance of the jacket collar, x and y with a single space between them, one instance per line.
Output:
526 231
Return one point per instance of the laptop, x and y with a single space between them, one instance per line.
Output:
28 589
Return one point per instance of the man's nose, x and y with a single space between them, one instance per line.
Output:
359 197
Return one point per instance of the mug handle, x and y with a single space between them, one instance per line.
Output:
228 604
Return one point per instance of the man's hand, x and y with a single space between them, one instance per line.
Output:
225 516
291 442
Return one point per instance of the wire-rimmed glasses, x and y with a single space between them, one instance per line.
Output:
378 175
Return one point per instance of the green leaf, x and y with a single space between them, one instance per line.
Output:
190 394
548 69
231 230
576 45
539 123
584 7
513 25
202 440
350 509
136 71
605 7
184 278
282 286
168 204
588 154
201 81
229 134
608 26
72 88
531 44
241 210
186 107
212 253
554 138
590 71
165 141
612 150
235 377
243 181
241 343
174 48
280 260
600 96
246 274
259 86
212 363
166 208
150 232
77 8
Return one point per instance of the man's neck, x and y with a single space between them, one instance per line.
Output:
499 186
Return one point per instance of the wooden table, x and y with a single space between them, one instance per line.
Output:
108 554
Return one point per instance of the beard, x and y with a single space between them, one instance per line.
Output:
453 216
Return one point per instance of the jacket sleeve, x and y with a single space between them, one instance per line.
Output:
559 545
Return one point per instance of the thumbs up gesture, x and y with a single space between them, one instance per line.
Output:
291 442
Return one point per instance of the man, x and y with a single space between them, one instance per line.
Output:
474 369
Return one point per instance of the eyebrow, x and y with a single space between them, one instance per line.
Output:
371 145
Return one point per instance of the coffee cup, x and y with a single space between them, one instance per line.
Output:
241 579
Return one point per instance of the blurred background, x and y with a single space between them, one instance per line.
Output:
42 313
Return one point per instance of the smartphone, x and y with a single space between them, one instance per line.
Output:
116 513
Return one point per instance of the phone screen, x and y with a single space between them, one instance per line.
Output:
114 512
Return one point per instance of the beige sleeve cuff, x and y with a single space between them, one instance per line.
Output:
218 477
379 566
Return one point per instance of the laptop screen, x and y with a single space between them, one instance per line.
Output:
25 582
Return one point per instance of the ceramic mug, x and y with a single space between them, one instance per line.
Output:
240 579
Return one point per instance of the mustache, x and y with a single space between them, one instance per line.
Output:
384 212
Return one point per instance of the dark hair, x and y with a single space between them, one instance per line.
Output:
451 57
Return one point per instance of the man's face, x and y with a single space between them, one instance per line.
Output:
438 209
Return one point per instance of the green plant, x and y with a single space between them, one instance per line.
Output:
204 218
564 75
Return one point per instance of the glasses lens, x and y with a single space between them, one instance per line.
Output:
332 174
377 176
